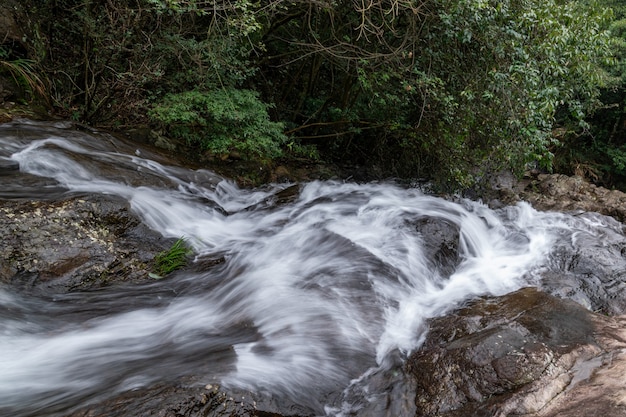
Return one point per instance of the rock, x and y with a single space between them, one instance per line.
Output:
597 387
559 192
76 243
140 135
591 276
172 401
441 244
147 136
10 30
162 142
525 353
8 93
186 400
281 174
585 273
555 192
8 166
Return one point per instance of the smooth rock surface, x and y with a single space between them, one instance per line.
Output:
526 353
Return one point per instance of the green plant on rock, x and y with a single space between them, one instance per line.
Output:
172 259
221 121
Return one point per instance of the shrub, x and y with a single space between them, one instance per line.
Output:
221 121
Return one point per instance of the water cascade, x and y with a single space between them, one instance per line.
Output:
312 294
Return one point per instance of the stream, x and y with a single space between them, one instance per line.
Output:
314 293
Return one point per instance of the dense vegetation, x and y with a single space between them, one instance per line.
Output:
598 151
449 90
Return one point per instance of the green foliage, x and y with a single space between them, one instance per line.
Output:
300 150
108 61
172 259
238 14
175 6
25 74
501 71
222 121
449 90
209 62
443 89
601 147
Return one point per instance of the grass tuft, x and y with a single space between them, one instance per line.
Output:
172 259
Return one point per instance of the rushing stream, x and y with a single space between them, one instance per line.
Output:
313 293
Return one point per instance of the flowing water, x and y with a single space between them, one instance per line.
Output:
313 293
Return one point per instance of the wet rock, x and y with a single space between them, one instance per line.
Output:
185 401
8 167
559 192
525 353
597 387
387 392
168 401
76 243
441 243
592 273
281 198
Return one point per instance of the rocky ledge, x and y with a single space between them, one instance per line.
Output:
529 353
76 243
557 192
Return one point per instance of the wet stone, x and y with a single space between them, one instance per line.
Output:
8 167
519 354
181 399
441 243
72 244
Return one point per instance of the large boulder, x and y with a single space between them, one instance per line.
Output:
526 353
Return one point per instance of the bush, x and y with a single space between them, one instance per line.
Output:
221 121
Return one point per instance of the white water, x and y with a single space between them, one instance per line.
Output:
312 294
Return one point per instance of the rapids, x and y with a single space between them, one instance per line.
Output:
314 293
